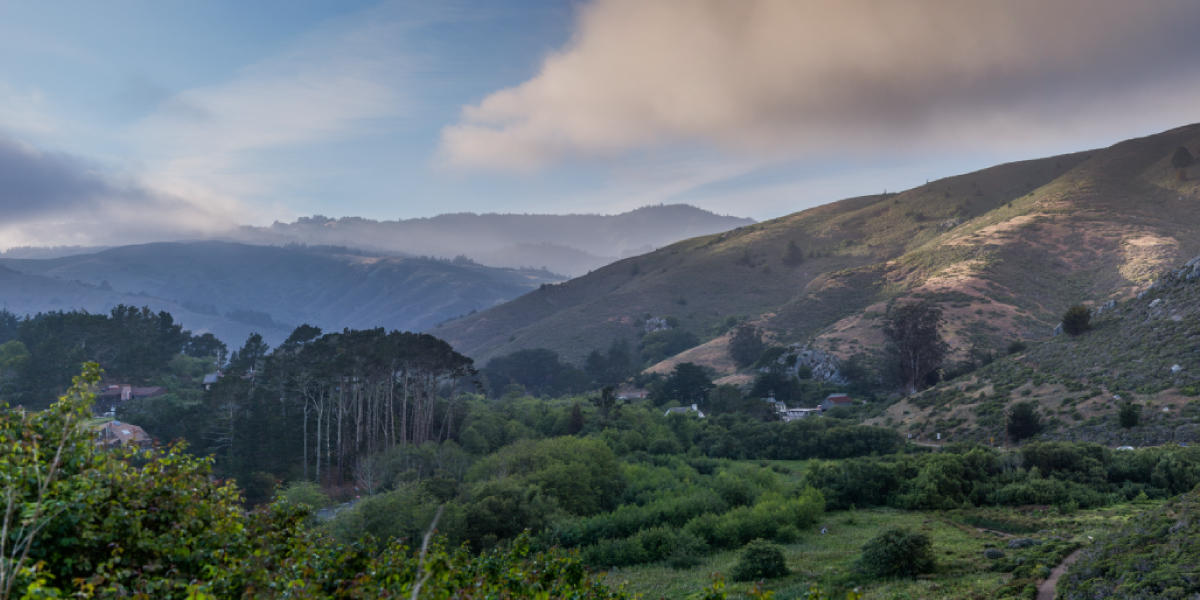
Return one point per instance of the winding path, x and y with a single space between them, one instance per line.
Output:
1046 588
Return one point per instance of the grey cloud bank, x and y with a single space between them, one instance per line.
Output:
778 78
55 198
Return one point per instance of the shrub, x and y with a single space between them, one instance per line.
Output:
1076 320
687 551
1130 415
897 552
1023 421
760 560
305 493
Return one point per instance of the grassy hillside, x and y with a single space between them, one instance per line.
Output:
1144 350
1003 250
233 289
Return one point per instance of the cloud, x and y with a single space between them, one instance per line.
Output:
49 198
341 81
783 78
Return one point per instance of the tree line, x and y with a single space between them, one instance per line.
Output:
39 354
319 404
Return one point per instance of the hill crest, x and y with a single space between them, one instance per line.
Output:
1003 250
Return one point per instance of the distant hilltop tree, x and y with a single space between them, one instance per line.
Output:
1181 160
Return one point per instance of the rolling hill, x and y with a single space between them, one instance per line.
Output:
234 289
1004 251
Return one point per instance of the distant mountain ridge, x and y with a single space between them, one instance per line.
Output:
232 289
1003 251
568 244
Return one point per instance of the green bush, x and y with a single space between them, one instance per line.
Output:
687 551
760 560
1076 320
305 493
1130 415
1023 421
897 552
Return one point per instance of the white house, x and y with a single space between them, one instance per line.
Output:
684 410
791 414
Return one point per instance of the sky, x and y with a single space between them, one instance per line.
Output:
131 121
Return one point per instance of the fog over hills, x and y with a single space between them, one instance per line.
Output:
336 273
235 289
566 244
1003 251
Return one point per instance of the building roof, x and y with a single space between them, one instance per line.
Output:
683 410
116 433
839 399
134 391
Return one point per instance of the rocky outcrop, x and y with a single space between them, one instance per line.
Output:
823 365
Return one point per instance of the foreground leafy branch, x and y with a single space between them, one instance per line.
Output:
33 448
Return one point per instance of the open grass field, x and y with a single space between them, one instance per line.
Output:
960 538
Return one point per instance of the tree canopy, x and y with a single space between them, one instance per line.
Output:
914 341
746 345
688 383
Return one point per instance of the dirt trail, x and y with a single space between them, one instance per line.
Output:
1047 587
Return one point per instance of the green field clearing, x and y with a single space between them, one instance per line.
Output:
959 537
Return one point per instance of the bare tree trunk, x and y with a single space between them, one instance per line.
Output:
304 438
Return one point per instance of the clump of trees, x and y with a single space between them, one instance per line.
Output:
133 345
612 367
688 383
537 371
914 341
746 345
322 403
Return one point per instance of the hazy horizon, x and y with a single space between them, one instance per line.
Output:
122 124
